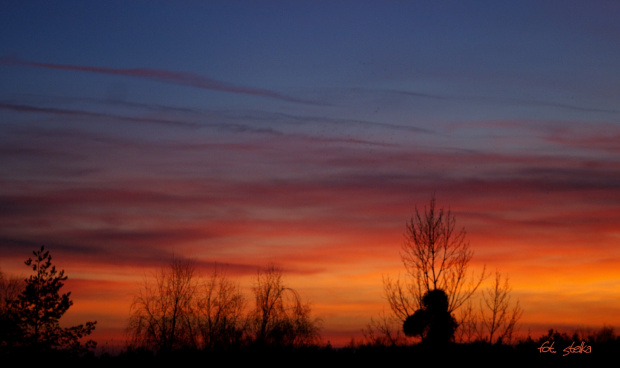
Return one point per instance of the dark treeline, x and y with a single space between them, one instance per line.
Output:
481 354
570 351
209 324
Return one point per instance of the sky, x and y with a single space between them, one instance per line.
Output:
305 133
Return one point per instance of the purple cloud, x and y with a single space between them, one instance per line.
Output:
180 78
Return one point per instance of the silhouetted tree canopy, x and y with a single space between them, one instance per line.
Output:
416 324
163 314
35 313
436 255
280 317
175 310
433 322
222 322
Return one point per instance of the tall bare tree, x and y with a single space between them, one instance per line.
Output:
163 312
280 317
498 314
436 256
221 312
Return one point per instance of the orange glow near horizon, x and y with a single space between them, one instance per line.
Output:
339 270
338 265
345 298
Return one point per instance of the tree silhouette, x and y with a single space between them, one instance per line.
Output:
496 319
221 319
39 307
10 288
163 312
175 310
436 256
383 331
433 322
280 317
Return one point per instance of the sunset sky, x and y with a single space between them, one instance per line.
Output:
305 133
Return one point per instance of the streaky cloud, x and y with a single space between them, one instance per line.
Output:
180 78
108 102
502 100
70 112
358 122
175 122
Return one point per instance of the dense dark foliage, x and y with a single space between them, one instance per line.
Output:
433 322
31 321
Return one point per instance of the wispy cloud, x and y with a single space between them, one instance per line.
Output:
502 100
90 114
296 128
181 78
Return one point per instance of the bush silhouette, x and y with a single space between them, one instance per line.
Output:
433 322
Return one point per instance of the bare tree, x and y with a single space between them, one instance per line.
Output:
383 331
468 323
498 315
10 288
163 312
280 317
221 319
436 256
401 297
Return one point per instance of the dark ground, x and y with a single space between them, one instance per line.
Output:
457 355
